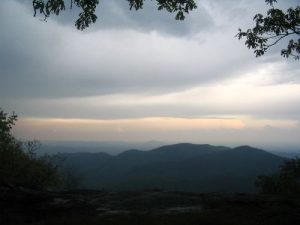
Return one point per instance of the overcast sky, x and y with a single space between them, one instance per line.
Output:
138 76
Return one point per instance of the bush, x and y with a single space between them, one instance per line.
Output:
287 180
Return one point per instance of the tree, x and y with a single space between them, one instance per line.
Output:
19 165
287 180
272 28
6 124
88 8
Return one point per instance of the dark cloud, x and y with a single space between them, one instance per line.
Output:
115 14
49 69
50 61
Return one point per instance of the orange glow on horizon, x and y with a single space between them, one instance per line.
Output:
90 128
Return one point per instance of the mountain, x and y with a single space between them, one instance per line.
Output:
179 167
113 148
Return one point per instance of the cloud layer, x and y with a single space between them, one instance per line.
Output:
144 64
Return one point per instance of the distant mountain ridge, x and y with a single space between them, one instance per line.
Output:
178 167
113 148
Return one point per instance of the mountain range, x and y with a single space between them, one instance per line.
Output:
178 167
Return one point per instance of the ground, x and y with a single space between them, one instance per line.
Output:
22 206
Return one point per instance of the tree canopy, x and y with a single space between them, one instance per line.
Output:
272 28
88 8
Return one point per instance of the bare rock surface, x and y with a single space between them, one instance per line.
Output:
24 206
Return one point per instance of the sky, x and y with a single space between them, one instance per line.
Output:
142 75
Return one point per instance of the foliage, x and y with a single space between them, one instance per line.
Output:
6 124
88 8
19 164
272 28
287 180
